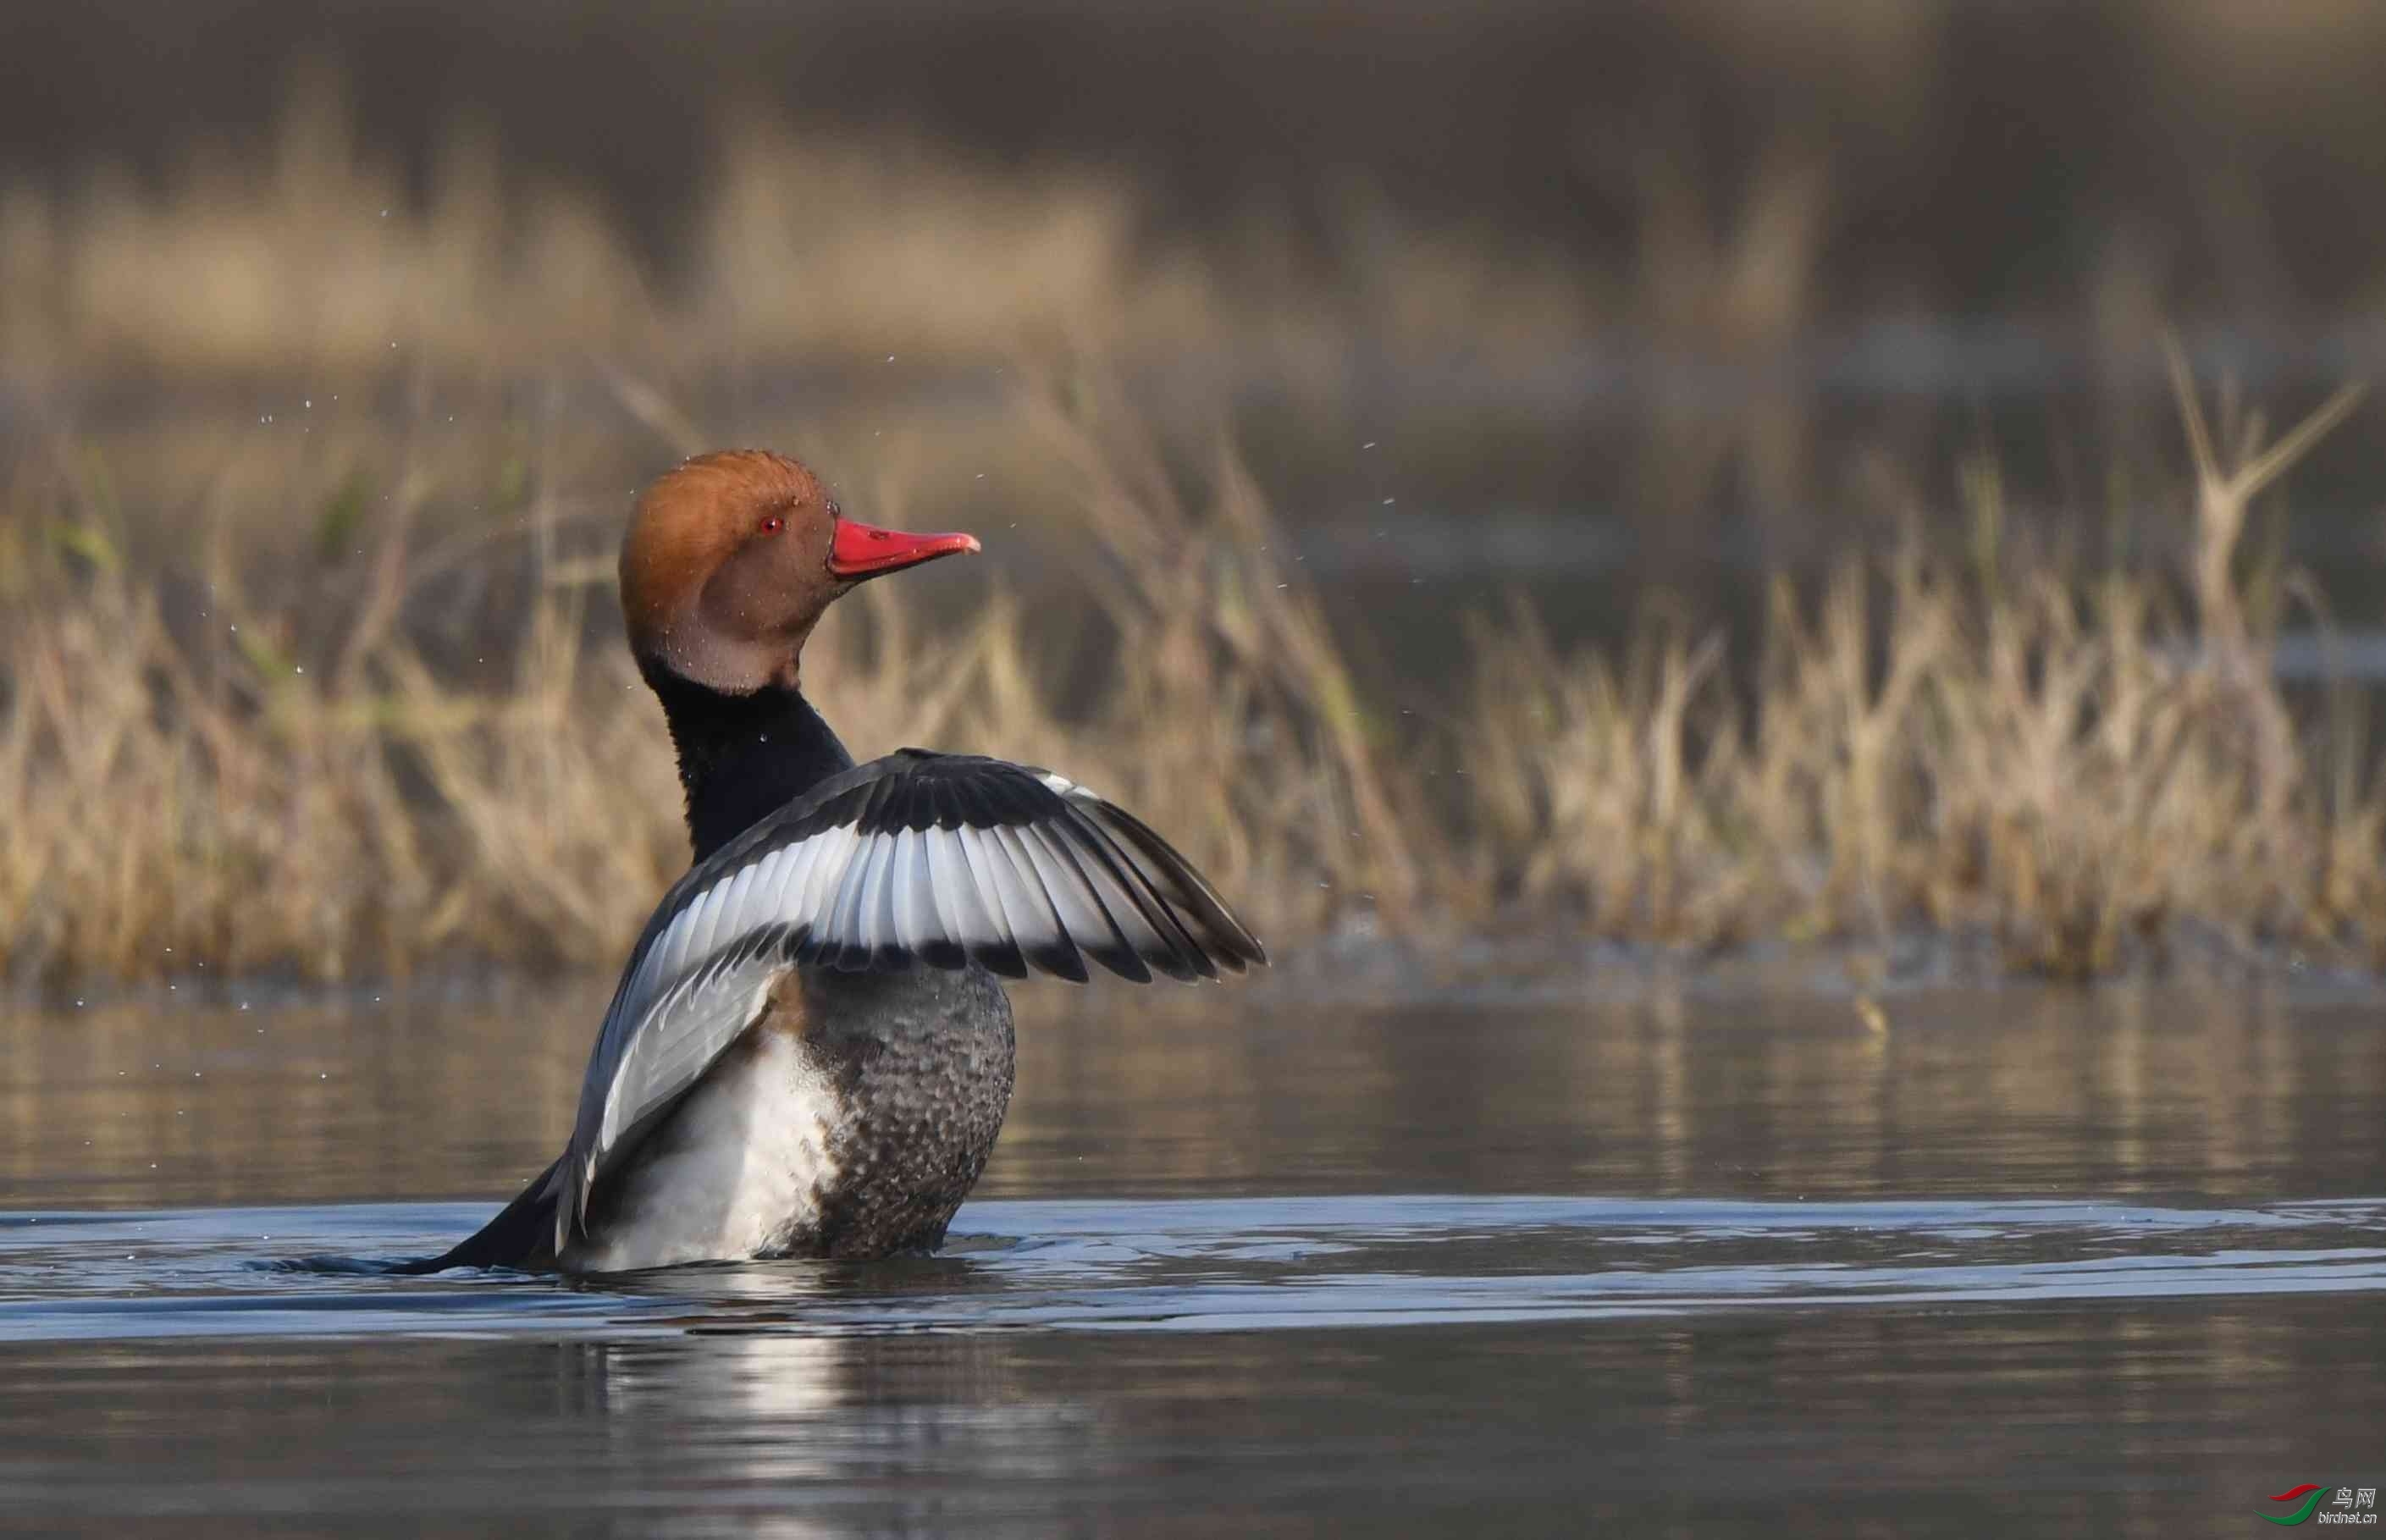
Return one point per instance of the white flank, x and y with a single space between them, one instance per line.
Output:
735 1171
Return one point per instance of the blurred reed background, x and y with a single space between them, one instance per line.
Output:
1690 473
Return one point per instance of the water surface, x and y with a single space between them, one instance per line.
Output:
1714 1260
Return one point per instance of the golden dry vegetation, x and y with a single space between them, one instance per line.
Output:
338 693
2083 771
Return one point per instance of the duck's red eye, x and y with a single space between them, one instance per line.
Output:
774 524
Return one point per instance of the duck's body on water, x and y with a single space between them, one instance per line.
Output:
810 1052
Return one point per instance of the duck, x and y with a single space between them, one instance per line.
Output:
811 1052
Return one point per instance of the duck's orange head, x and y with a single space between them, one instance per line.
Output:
733 556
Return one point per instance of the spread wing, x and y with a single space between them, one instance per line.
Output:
914 859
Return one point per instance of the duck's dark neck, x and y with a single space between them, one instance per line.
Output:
742 756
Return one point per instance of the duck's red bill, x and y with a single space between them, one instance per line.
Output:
860 550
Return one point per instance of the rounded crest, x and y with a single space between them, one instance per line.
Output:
725 568
731 559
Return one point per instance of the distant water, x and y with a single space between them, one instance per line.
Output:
1715 1261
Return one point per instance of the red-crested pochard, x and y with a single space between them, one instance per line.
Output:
809 1054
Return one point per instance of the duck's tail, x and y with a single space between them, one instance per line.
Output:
522 1236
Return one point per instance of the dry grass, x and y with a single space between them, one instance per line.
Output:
192 796
2072 769
2086 770
339 692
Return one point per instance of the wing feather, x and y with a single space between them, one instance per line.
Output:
1043 933
919 925
1083 915
694 935
960 913
916 859
1206 918
1149 940
1027 922
998 946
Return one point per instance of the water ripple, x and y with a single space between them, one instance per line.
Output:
1224 1265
